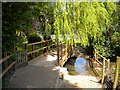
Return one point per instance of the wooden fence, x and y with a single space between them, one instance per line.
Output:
102 62
117 74
20 58
64 51
44 46
6 66
102 65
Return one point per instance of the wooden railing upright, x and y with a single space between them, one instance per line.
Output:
7 66
117 71
64 50
103 64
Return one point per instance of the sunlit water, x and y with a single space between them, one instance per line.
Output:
81 67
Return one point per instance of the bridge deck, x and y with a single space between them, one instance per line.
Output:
41 72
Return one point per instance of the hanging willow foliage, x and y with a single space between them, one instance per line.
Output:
82 20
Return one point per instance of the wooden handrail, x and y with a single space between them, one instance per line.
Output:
39 49
2 74
62 43
99 62
5 58
39 42
103 64
101 56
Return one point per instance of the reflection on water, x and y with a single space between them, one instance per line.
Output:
80 66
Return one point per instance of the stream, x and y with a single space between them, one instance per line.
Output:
79 66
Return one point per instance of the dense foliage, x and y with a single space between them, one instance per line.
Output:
93 24
17 18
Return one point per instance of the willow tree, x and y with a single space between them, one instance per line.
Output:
86 21
43 12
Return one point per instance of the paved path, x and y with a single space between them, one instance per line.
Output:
41 72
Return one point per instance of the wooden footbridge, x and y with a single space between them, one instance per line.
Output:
34 52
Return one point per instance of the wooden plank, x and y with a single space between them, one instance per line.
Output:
61 55
62 43
108 64
64 57
102 56
103 69
36 50
5 58
116 73
39 42
99 62
58 55
33 48
96 72
50 45
39 49
1 75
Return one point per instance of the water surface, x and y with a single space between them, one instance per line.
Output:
80 67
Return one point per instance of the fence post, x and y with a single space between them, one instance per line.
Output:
5 64
61 54
66 52
33 54
96 60
68 48
15 57
103 69
108 64
116 73
39 50
47 46
58 52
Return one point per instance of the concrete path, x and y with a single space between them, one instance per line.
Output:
41 72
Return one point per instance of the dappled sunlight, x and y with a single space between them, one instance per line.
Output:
51 58
83 81
39 39
56 68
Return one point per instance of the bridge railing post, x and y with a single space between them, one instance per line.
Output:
33 54
103 70
116 73
58 57
61 59
108 64
66 52
47 43
5 64
68 48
